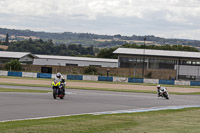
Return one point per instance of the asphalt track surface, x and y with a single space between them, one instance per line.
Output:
15 106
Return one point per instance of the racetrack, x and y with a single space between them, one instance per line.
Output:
31 105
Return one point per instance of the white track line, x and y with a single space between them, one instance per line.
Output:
115 112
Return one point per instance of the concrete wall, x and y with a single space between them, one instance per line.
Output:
90 77
120 79
29 74
151 81
182 82
3 73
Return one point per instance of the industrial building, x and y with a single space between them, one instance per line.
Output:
186 64
23 57
74 61
53 60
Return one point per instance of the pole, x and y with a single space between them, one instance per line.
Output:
143 59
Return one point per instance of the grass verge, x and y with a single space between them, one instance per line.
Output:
101 89
22 90
87 81
166 121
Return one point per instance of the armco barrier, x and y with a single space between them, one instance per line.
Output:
43 75
195 83
3 73
182 82
169 82
151 81
75 77
90 78
135 80
102 78
120 79
16 74
29 74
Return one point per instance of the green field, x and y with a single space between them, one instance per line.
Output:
145 84
167 121
23 90
101 89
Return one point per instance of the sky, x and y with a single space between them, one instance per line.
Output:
162 18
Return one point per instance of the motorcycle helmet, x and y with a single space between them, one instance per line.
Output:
158 86
58 75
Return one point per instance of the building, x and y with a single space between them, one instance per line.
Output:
186 64
74 61
23 57
48 62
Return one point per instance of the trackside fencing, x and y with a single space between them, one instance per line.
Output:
16 74
101 78
135 80
75 77
169 82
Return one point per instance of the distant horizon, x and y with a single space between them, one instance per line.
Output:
94 33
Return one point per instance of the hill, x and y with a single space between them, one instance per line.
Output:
87 39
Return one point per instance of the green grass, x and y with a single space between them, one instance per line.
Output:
14 77
19 84
22 90
166 121
144 84
103 89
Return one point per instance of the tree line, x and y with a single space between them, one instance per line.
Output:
89 39
49 48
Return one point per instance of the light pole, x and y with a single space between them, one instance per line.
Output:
143 58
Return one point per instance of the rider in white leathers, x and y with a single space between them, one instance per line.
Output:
60 78
158 90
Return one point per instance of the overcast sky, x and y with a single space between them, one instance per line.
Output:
163 18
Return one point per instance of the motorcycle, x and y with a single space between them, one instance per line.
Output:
164 93
58 89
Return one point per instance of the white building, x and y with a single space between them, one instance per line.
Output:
24 57
74 61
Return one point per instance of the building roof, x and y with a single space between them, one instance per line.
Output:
76 58
162 53
16 55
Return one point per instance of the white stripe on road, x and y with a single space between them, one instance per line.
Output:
145 109
115 112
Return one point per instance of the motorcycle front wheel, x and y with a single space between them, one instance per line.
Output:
54 93
166 96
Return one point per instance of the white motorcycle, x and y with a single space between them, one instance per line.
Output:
163 92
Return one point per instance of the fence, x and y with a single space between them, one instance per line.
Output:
100 78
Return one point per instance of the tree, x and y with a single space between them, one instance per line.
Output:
7 39
90 70
107 53
13 65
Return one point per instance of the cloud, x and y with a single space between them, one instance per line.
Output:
145 16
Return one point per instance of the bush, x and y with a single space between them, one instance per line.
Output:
149 75
13 65
90 70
